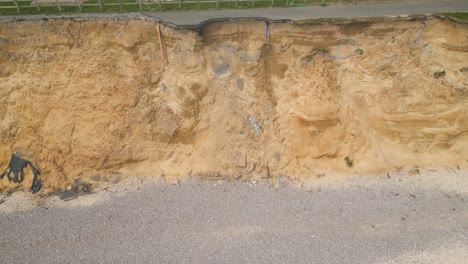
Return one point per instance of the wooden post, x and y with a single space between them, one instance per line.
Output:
79 5
159 1
163 57
217 3
100 4
253 2
120 5
272 2
38 8
17 6
180 5
198 2
141 7
236 2
58 5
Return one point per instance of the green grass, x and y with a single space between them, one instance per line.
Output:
459 16
26 7
70 8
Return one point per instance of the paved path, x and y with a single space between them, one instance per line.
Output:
405 219
193 18
309 12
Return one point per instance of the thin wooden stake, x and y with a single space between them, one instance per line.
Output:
59 6
163 57
141 7
17 6
100 4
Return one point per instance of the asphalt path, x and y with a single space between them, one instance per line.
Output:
194 17
360 219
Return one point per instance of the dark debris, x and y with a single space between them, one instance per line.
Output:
15 172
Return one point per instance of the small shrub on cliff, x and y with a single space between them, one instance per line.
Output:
439 74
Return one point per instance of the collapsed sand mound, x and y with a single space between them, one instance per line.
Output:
92 99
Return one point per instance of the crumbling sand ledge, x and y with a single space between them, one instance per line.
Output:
89 98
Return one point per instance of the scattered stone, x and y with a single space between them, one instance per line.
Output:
68 195
114 178
267 173
240 160
464 69
164 87
78 181
251 167
95 178
307 58
320 175
250 56
212 176
86 187
349 161
439 74
275 182
413 196
277 156
240 84
320 51
222 69
256 127
414 171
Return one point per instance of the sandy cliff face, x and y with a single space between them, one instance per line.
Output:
92 99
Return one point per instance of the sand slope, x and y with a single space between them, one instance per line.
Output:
91 99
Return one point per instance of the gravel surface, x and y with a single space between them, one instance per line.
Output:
378 219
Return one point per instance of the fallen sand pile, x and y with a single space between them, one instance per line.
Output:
93 100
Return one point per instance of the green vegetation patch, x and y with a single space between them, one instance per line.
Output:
459 15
